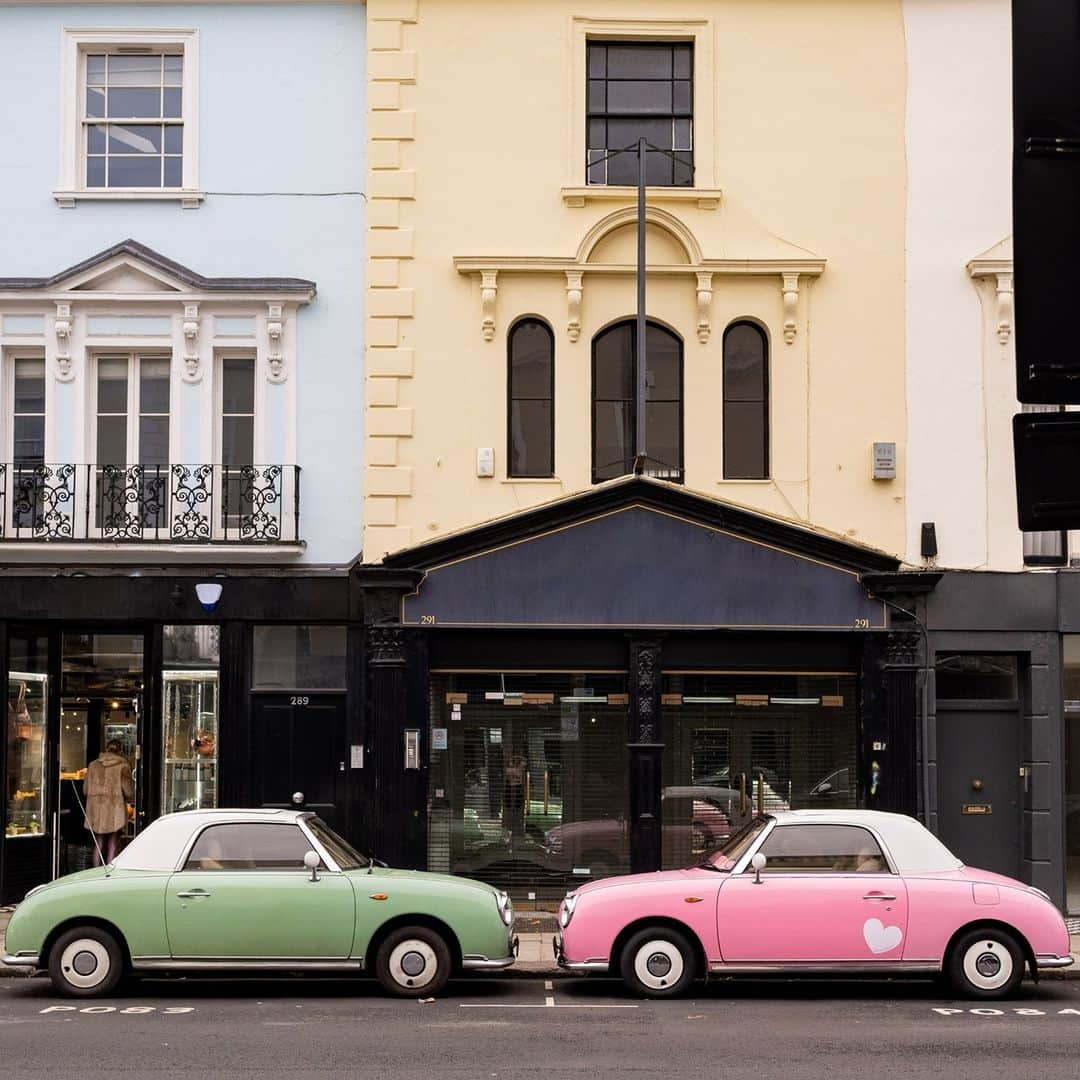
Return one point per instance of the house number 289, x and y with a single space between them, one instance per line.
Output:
300 701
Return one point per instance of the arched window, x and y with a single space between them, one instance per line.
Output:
614 402
746 403
530 440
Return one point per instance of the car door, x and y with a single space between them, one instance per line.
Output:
244 894
826 896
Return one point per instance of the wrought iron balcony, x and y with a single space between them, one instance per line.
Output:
168 504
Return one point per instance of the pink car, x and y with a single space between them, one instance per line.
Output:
815 891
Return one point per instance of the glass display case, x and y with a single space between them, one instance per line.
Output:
190 732
28 699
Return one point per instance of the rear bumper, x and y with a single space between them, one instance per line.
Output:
1050 963
30 960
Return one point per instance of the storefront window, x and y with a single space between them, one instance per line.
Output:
737 744
299 658
191 658
528 779
1071 644
976 677
27 712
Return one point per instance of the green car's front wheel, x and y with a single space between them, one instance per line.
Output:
86 961
413 961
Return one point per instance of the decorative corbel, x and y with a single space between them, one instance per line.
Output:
62 329
488 291
791 305
275 332
1004 307
704 304
573 304
191 372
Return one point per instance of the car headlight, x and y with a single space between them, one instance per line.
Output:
566 912
506 908
1039 892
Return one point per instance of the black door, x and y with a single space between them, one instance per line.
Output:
300 748
979 785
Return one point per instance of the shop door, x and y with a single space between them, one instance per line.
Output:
979 785
300 748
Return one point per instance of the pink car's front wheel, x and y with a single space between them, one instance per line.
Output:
658 962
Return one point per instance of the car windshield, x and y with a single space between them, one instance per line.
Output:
341 851
732 849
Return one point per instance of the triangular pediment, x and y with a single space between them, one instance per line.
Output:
643 554
126 276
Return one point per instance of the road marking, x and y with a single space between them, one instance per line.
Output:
1006 1012
549 1004
547 985
131 1010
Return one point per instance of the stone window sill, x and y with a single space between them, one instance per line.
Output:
189 199
706 198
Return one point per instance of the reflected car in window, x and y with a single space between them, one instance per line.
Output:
256 890
854 892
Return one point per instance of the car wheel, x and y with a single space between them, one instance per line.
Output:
658 963
86 961
985 964
413 962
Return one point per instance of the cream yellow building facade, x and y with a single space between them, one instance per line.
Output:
480 214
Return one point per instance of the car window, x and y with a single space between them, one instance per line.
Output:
249 846
843 849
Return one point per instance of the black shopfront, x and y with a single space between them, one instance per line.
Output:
615 681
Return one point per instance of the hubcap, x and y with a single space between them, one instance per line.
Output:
988 965
85 963
658 964
413 963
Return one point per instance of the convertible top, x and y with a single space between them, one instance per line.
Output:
914 849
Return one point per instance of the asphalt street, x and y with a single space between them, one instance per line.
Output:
524 1027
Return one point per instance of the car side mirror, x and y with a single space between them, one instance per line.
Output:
311 862
758 863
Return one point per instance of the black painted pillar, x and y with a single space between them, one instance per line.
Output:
646 756
399 793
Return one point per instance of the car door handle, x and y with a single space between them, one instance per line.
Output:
879 896
193 894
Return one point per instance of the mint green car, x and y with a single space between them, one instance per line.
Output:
256 890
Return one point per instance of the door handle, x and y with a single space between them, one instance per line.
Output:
193 894
879 896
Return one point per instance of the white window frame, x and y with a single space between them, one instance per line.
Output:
75 44
134 358
10 354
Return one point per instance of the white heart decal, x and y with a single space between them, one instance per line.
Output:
881 938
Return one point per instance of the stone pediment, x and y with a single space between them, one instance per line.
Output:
125 277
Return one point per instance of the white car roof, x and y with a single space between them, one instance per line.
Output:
159 845
914 849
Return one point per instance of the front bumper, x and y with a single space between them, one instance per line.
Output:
1050 963
30 960
596 964
484 963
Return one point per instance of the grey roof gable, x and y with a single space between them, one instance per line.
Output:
149 257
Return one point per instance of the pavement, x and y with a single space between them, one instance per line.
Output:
536 1029
536 955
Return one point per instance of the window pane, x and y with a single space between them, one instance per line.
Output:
135 139
744 440
95 139
639 61
628 132
299 657
614 437
682 135
172 103
134 71
95 172
237 440
976 677
744 363
530 361
684 98
27 742
134 172
29 440
249 847
683 61
95 70
639 97
623 168
95 102
838 849
662 366
614 364
238 385
597 61
131 101
530 438
174 139
174 70
662 440
597 134
29 386
154 385
682 170
174 172
153 440
112 385
597 95
112 440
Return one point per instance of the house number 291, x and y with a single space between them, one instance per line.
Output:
300 700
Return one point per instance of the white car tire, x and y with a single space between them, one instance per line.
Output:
86 962
658 962
985 964
413 961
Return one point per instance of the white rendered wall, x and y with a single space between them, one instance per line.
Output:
960 379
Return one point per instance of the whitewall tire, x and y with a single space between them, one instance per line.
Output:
413 962
986 964
658 962
86 961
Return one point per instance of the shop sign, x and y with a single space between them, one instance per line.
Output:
438 738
